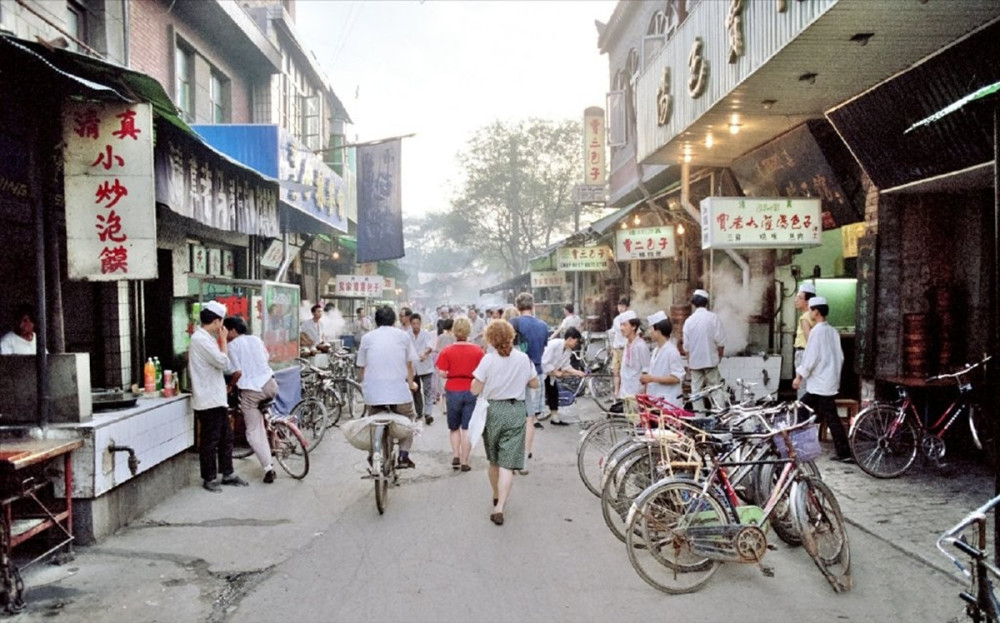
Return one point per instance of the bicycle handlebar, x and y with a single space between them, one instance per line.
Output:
950 537
968 368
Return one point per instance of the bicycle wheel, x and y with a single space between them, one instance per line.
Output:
310 416
594 447
288 446
984 432
633 474
241 447
383 446
824 534
354 399
602 390
782 518
884 441
656 541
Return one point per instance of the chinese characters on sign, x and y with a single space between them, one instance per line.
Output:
358 286
548 279
648 243
110 207
310 184
583 258
593 147
777 222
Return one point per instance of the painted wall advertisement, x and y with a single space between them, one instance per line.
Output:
763 223
583 258
548 279
110 207
646 243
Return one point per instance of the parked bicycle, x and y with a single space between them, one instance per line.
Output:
981 602
597 384
289 446
885 438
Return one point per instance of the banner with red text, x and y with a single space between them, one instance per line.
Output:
762 223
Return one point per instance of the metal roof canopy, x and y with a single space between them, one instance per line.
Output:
874 125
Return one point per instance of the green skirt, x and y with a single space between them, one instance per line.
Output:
503 436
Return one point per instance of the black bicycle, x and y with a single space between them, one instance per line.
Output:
981 603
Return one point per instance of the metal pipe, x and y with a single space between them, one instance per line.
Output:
133 460
35 159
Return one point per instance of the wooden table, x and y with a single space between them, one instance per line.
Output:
23 513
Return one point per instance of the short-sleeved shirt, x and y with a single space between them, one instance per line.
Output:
634 359
505 378
536 332
315 331
421 342
206 364
14 344
556 356
666 361
248 354
383 354
800 335
703 336
459 360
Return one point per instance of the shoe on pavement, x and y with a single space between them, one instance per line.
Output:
538 425
429 419
466 468
269 476
212 485
406 463
234 481
455 463
556 422
845 459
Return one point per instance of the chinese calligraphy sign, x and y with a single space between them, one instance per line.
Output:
753 222
358 286
583 258
594 173
110 204
548 279
647 243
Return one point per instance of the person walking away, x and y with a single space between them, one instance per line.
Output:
704 343
455 364
617 343
556 364
478 327
208 360
534 334
423 344
446 339
249 358
820 370
666 367
804 326
22 340
385 369
635 357
570 321
502 377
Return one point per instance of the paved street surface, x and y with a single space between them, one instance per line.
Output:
317 550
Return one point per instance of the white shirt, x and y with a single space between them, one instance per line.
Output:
617 338
666 361
314 330
248 355
556 356
634 360
421 342
383 354
478 328
505 378
571 321
822 360
703 336
14 344
206 364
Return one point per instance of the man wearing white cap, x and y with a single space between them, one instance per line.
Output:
208 359
635 357
666 368
820 367
804 326
618 343
704 342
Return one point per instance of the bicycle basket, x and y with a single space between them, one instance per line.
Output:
804 440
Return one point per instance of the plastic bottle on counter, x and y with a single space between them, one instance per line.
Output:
168 383
149 376
159 373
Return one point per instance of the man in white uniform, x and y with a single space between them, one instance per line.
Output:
385 361
312 334
423 367
704 342
666 367
821 364
618 343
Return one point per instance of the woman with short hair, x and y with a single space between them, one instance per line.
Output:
455 364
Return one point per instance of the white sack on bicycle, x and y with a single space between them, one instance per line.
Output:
478 421
356 431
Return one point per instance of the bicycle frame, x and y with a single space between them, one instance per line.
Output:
981 601
908 408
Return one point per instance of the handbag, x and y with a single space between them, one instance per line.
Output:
478 422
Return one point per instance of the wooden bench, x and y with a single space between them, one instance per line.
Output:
850 408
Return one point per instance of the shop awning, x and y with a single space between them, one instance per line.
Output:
522 281
877 124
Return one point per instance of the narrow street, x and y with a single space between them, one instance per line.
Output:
317 550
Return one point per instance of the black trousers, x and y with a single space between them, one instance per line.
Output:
216 449
551 393
826 412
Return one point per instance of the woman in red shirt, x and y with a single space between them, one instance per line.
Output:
456 364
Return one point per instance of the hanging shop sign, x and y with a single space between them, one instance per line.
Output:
548 279
108 176
358 286
849 235
753 222
583 258
272 257
593 147
646 243
587 193
389 285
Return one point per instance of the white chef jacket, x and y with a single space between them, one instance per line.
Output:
703 336
206 365
665 361
822 360
617 338
635 358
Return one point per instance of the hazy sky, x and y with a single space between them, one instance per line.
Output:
442 69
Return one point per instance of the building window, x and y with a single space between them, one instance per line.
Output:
76 24
218 91
184 82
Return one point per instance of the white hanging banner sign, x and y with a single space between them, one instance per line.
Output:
645 243
110 200
548 279
762 223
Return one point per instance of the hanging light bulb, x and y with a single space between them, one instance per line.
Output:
680 229
709 140
687 157
636 219
336 255
734 124
624 224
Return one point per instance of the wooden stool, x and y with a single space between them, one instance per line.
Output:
848 405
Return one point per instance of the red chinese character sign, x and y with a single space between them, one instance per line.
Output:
646 243
762 223
583 258
593 147
547 279
110 201
358 286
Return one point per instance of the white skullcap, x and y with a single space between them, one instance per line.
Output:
702 293
807 287
626 316
658 316
816 301
216 308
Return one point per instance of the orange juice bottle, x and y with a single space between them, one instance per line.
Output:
149 376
